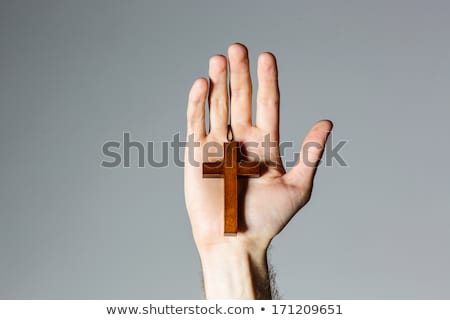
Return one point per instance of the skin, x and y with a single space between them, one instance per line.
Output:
236 267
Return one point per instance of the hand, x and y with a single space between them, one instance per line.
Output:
266 203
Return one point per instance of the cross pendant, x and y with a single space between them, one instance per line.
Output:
230 168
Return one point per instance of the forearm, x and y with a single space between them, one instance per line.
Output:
235 271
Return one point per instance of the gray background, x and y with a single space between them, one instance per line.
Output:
74 74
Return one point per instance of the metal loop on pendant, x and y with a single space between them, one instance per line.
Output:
230 133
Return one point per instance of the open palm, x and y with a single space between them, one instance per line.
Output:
266 204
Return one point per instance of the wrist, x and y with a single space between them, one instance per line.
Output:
235 269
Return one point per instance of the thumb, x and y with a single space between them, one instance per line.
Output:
302 174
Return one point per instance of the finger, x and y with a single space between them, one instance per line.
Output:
196 108
218 95
302 174
268 96
240 86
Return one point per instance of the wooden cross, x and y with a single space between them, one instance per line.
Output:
230 168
